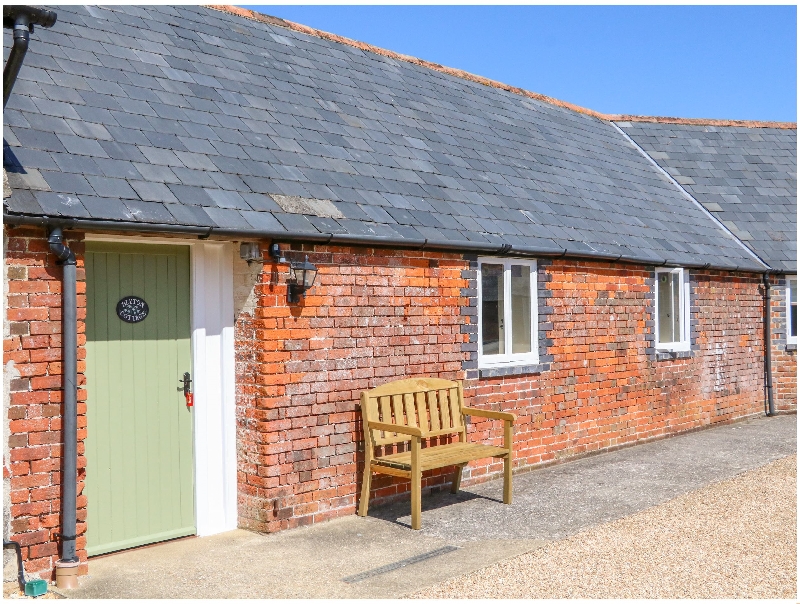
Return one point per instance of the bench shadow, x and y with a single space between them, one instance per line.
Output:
394 511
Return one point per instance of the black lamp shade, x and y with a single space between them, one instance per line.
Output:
304 274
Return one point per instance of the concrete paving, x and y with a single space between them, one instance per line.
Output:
380 557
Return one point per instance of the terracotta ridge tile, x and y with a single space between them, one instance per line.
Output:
277 21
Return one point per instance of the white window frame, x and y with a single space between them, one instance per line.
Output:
684 344
509 359
790 339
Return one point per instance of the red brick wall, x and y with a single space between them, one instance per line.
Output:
32 368
605 388
374 316
378 315
784 358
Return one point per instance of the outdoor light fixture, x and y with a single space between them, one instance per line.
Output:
301 274
301 278
250 251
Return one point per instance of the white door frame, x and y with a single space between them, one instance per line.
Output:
213 372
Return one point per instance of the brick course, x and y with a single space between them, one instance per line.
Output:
32 367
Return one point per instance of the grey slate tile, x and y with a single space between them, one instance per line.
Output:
227 199
190 215
72 184
296 223
326 225
146 211
156 173
60 204
160 157
261 203
111 187
106 208
227 218
117 150
153 191
36 139
263 221
23 202
18 157
116 168
81 146
76 164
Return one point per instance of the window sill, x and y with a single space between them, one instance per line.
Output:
503 371
669 355
791 347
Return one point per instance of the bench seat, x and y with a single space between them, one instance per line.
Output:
440 456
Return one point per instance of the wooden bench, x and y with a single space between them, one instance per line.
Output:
415 409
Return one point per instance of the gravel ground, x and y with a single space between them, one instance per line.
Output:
732 539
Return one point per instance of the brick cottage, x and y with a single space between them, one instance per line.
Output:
608 279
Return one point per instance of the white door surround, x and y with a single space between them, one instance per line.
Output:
213 372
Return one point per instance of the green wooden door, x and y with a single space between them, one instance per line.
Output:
139 452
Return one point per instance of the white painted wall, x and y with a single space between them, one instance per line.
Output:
214 377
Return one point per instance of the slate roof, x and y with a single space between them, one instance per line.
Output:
746 177
189 116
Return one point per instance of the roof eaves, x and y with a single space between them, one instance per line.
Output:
345 239
262 18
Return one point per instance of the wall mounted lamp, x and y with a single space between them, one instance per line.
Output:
301 278
301 274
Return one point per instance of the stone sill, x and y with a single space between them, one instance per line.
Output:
492 372
670 355
791 347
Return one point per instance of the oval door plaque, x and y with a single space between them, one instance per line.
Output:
132 309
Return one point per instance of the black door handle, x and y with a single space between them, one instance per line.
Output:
187 384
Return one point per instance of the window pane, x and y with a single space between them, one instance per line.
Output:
676 308
664 293
793 307
520 308
492 302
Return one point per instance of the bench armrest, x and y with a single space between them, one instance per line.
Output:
410 430
508 417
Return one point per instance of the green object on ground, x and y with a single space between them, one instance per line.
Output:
37 587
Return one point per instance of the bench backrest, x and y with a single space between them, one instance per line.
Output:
431 404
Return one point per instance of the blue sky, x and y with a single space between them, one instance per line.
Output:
731 62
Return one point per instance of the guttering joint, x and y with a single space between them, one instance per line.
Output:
55 239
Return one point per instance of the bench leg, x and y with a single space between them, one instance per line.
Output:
507 479
416 485
456 480
366 484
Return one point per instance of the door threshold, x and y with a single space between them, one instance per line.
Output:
138 547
